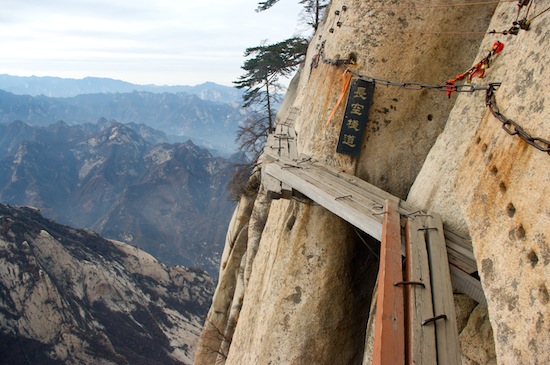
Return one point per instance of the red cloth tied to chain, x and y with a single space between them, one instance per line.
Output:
477 70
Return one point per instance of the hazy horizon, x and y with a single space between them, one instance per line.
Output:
147 43
112 79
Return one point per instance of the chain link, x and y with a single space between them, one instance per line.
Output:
511 127
461 88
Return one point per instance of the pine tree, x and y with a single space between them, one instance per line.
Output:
263 70
263 92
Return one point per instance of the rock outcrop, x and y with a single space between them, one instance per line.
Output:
310 285
71 297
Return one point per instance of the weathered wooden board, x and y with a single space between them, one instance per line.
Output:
389 331
271 184
281 145
360 203
420 340
466 284
292 150
345 208
448 346
290 117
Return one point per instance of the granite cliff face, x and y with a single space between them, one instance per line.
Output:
71 297
295 283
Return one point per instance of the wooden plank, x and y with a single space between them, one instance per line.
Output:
460 260
271 184
448 347
281 145
389 332
290 116
332 190
355 215
368 194
467 254
272 147
292 150
462 248
420 343
345 187
468 285
354 183
343 190
376 192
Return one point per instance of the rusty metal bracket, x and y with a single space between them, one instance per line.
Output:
433 319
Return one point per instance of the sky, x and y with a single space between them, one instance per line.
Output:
162 42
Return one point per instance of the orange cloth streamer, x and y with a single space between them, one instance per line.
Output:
347 81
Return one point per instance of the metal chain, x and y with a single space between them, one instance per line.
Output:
511 127
461 88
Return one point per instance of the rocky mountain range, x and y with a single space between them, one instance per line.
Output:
180 116
125 183
69 296
63 88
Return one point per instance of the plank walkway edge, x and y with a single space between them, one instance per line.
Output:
279 172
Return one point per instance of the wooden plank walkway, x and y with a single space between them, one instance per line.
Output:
355 201
427 332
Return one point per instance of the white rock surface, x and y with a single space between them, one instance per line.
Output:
84 300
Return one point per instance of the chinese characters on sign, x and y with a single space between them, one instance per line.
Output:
355 117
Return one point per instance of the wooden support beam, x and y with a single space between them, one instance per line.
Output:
290 117
281 145
389 332
420 340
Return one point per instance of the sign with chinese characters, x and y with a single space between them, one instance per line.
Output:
355 117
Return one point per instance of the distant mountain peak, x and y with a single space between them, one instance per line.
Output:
67 87
169 199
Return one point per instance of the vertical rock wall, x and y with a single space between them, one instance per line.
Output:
307 296
495 186
396 41
301 293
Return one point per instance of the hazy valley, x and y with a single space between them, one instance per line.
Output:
142 167
169 199
208 114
